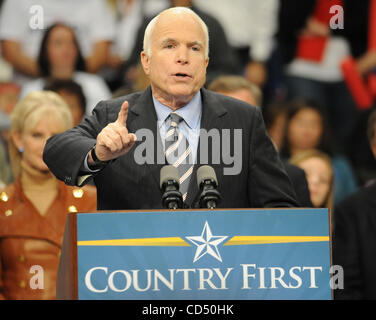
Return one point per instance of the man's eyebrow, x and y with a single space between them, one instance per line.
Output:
167 40
191 44
196 43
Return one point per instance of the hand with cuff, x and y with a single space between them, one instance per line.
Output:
113 141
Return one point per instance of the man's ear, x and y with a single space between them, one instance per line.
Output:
145 61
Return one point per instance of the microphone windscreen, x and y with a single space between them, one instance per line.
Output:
169 173
205 173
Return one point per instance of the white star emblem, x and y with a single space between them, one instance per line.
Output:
207 243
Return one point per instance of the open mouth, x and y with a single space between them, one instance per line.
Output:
182 75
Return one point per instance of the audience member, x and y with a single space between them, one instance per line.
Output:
237 87
35 206
128 15
60 58
275 117
307 129
319 172
311 54
22 23
354 237
72 94
356 32
250 27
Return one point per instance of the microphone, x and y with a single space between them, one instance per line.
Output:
169 183
207 184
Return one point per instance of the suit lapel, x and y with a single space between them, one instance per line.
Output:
212 113
143 116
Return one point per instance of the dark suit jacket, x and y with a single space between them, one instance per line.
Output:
354 244
300 184
125 184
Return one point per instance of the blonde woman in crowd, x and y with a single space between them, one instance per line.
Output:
320 177
33 209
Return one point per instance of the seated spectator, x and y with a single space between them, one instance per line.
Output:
307 129
23 22
354 237
61 58
275 117
318 168
72 94
237 87
35 206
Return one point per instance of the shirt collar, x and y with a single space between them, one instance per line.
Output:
191 113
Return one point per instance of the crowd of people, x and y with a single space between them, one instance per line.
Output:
62 58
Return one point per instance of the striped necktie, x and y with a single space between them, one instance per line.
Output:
178 152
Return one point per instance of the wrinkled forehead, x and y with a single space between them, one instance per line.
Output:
175 23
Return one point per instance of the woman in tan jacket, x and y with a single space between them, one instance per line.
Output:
33 209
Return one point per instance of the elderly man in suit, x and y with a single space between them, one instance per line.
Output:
220 131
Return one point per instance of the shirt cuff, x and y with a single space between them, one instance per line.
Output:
86 167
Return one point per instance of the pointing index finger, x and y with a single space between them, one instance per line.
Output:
123 114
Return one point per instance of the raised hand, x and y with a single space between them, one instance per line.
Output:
114 140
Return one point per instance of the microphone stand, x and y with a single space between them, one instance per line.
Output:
209 197
172 198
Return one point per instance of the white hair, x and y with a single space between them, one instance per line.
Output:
177 10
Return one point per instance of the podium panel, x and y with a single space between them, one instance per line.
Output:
197 255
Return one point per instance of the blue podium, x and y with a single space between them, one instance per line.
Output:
232 254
